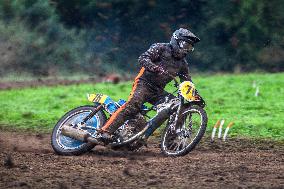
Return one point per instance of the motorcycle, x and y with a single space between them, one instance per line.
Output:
186 121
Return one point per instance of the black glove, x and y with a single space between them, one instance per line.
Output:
197 96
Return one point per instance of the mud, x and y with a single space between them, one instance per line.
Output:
40 82
28 161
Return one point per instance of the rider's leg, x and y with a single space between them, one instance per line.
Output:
139 94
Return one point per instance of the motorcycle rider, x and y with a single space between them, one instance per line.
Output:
160 60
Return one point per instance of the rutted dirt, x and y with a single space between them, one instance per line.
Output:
39 82
28 161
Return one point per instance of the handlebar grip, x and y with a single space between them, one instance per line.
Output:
175 80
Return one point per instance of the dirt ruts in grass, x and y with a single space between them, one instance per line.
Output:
28 161
4 85
47 82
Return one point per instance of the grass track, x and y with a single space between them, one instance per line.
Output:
228 96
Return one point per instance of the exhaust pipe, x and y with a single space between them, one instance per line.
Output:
78 134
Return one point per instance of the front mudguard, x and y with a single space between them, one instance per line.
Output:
201 103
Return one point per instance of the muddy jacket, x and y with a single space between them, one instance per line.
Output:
162 54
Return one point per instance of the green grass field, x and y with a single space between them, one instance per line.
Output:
229 97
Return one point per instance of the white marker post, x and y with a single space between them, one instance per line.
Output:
256 91
227 130
214 130
220 129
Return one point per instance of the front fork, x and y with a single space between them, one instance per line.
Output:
161 117
177 115
83 123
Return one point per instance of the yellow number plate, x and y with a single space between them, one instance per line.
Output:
187 90
100 98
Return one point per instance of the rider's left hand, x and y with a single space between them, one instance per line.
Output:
197 96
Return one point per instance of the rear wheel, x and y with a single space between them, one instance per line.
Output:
64 145
180 139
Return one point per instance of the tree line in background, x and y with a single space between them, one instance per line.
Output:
49 37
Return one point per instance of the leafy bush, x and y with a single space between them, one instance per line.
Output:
37 42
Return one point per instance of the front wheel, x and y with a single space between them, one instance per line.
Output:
180 139
64 145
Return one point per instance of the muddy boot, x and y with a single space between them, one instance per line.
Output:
104 138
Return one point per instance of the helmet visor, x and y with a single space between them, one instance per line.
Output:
186 46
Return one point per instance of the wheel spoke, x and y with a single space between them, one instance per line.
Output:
172 146
184 142
178 146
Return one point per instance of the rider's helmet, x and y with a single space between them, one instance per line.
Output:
183 41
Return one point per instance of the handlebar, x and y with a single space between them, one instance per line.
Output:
175 80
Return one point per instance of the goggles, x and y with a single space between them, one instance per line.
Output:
186 46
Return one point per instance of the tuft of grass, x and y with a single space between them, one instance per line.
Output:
27 115
229 97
